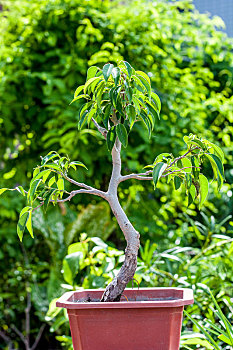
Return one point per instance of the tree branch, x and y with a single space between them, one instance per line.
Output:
181 157
103 131
116 169
93 191
140 176
7 340
20 335
38 337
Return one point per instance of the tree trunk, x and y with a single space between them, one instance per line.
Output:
115 289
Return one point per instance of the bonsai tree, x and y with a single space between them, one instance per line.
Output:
116 98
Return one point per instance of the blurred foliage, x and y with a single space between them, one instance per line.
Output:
46 49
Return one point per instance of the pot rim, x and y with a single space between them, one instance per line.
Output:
184 297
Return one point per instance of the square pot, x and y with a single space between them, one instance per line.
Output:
144 319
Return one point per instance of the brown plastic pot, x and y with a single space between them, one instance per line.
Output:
144 319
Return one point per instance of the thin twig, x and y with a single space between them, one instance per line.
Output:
27 317
20 335
103 131
7 340
181 157
38 337
93 191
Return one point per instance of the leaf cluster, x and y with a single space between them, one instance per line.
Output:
118 97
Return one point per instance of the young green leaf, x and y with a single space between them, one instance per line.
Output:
78 90
116 74
191 194
158 172
107 70
51 181
29 224
92 72
204 186
146 121
156 100
122 134
79 164
129 68
111 138
20 190
186 163
23 218
177 182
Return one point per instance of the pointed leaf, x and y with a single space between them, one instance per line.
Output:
107 70
129 68
92 72
20 189
23 218
29 224
122 134
116 74
204 186
111 138
158 172
177 182
156 100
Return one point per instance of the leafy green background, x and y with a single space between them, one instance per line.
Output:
46 49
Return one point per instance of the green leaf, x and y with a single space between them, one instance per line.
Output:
116 74
177 182
79 97
107 70
191 194
2 190
128 91
49 157
52 166
107 112
111 138
146 121
152 110
33 187
79 164
29 224
156 100
71 266
225 339
129 68
94 80
60 186
145 83
217 167
78 90
122 134
19 189
204 186
158 172
188 178
92 72
218 163
23 218
208 336
195 165
218 150
51 181
48 196
113 95
131 113
186 163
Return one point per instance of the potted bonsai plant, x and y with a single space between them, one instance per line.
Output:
116 98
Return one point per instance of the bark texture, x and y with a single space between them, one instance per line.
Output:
115 289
